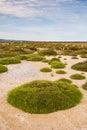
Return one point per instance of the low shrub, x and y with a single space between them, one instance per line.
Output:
5 54
45 69
48 52
77 77
35 57
3 69
83 55
13 60
23 57
53 60
60 72
43 96
81 66
84 86
45 60
57 65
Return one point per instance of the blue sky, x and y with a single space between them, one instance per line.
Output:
43 20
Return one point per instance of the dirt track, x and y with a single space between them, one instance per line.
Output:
12 118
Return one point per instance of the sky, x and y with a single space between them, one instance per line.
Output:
43 20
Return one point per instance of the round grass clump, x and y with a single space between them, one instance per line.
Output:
43 96
13 60
81 66
57 65
60 72
35 57
84 86
3 69
45 69
77 77
53 60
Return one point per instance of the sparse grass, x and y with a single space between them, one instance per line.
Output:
3 69
13 60
46 69
81 66
77 77
48 52
35 57
43 96
60 72
84 86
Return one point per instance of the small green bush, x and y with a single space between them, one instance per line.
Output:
84 86
13 60
35 57
81 66
60 72
53 60
3 69
43 96
45 69
77 77
57 65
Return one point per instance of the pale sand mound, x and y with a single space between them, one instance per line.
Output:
12 118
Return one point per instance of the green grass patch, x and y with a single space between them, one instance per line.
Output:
77 77
43 96
60 72
3 69
84 86
81 66
53 60
35 57
13 60
46 69
57 65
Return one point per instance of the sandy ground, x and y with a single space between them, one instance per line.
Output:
12 118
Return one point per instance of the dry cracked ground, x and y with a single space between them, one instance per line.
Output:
12 118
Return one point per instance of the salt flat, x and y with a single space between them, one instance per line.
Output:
12 118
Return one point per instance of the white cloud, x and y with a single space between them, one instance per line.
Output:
30 8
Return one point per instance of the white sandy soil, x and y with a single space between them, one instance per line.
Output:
12 118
